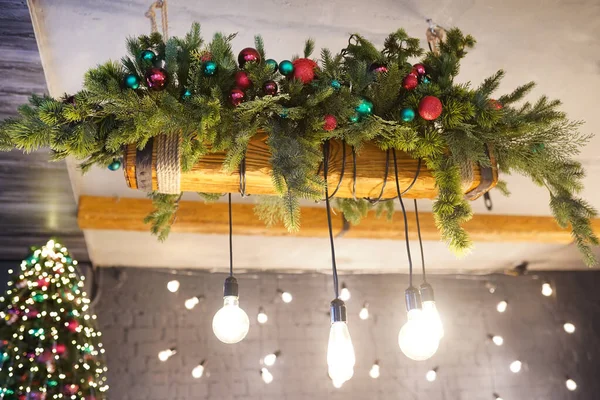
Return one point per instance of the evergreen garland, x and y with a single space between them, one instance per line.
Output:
533 139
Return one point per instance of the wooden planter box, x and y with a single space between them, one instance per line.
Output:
208 175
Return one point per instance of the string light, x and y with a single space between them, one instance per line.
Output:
266 376
497 396
262 317
569 327
431 375
491 287
269 359
286 297
198 370
497 339
364 312
515 366
164 355
374 372
501 307
193 302
571 384
173 285
547 289
345 293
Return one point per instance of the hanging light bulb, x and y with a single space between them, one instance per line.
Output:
416 338
286 297
262 317
231 323
431 375
497 340
270 359
430 312
515 366
374 372
569 327
173 285
198 370
364 312
266 376
193 302
501 307
340 352
547 289
166 354
345 293
571 384
497 396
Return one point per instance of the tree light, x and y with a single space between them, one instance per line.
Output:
286 297
569 327
340 351
262 317
375 372
498 340
198 370
364 312
173 285
547 289
270 359
515 366
501 307
431 375
571 384
166 354
267 377
345 293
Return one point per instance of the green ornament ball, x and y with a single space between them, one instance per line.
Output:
38 297
52 383
186 94
286 67
132 81
365 107
284 113
115 165
209 68
273 64
354 118
148 55
336 84
68 259
407 114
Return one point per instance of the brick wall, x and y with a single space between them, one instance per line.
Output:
139 317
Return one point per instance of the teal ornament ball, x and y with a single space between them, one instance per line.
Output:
407 114
132 81
148 55
284 113
365 107
115 165
209 68
186 94
425 80
286 67
354 118
336 84
273 64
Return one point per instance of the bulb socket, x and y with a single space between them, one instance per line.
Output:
230 287
413 298
426 291
338 311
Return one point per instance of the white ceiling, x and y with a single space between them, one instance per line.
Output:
555 44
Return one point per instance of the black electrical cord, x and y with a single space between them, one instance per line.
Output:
410 265
230 239
420 241
333 265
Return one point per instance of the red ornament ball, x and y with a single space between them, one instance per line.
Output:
430 107
419 69
495 104
270 88
72 325
304 70
59 348
236 97
242 80
248 55
378 68
43 282
410 82
156 78
206 56
71 389
330 122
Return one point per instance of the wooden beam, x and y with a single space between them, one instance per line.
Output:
127 214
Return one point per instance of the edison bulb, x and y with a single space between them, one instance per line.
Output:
340 352
432 317
231 323
571 384
375 371
192 302
262 317
270 359
198 371
569 327
173 285
501 307
364 312
515 366
416 338
345 293
547 289
267 377
166 354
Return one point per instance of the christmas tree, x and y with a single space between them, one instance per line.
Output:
49 348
